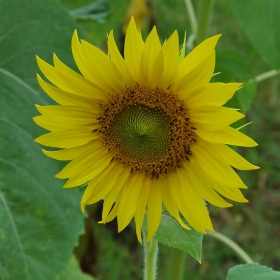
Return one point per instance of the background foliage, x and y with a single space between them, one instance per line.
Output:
43 234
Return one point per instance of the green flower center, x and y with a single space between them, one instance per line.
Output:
142 133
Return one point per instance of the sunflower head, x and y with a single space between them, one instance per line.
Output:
144 130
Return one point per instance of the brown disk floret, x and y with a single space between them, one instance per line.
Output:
148 130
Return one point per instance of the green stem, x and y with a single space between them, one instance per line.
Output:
204 13
230 243
150 261
192 16
265 76
177 264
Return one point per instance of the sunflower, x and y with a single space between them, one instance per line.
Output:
144 130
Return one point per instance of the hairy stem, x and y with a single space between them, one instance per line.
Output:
150 258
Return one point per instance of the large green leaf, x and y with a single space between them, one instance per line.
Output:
252 271
170 233
40 221
260 20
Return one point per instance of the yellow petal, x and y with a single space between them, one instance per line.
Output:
171 61
88 159
111 197
103 71
154 209
198 77
217 168
227 135
175 188
67 138
133 47
53 125
98 190
197 55
202 186
89 172
169 202
71 153
152 63
65 98
77 82
212 118
141 206
232 158
194 202
128 200
119 61
215 94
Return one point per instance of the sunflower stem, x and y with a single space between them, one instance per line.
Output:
230 243
192 16
177 264
264 76
204 14
150 258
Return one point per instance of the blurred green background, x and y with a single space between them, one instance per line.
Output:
41 223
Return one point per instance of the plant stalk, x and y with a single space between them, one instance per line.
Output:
230 243
177 264
204 15
150 258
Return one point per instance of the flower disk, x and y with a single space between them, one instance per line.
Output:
148 130
144 130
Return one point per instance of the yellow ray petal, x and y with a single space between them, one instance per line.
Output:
89 172
169 203
63 97
77 82
71 153
80 56
88 159
133 47
215 94
217 168
128 200
67 138
152 63
113 214
232 158
53 125
175 188
103 71
197 55
194 202
201 185
171 61
154 209
99 190
198 77
226 135
141 206
212 118
119 61
111 197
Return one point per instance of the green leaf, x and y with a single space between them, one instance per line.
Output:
260 20
72 272
170 233
97 10
40 221
252 271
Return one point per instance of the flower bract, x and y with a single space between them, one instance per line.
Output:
144 130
